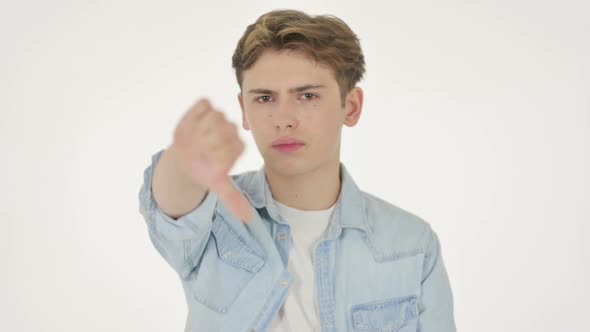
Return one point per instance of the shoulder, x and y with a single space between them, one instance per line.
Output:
394 230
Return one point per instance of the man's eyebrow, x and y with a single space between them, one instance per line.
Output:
291 90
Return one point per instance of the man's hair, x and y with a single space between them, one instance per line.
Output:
325 38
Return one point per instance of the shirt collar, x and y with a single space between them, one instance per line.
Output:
350 203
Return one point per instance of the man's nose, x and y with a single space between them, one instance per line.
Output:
284 116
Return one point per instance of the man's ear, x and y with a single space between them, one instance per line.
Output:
245 124
353 106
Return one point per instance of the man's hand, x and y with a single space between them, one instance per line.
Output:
206 146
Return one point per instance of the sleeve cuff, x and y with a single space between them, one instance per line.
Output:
193 224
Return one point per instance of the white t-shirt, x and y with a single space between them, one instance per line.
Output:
299 311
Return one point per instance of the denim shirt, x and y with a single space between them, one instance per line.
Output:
377 267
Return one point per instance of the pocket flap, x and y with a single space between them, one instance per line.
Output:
233 248
384 315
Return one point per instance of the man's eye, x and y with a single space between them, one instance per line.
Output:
263 99
309 96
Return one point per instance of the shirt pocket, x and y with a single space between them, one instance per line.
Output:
397 314
228 263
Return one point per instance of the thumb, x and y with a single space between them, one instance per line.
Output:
233 199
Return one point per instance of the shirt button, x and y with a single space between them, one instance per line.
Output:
284 283
282 237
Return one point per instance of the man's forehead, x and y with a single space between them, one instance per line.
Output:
288 80
286 70
282 60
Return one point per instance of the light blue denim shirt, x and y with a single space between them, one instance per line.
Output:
377 267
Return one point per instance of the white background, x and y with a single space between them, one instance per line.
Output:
476 118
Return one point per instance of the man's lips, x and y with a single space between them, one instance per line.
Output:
287 147
287 144
287 141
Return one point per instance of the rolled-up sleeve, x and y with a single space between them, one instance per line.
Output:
436 305
179 241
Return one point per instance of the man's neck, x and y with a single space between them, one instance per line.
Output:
312 191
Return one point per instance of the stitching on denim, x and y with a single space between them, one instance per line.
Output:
266 308
231 299
187 250
242 249
384 303
325 296
358 312
381 257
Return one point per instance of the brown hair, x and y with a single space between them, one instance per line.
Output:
325 38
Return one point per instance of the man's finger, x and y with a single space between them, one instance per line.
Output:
233 199
188 120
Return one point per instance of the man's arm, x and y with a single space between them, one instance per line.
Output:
182 186
436 305
174 192
179 241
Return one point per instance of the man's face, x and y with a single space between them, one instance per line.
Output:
287 94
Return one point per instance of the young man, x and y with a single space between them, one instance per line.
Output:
295 245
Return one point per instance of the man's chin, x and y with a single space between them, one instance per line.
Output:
285 167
